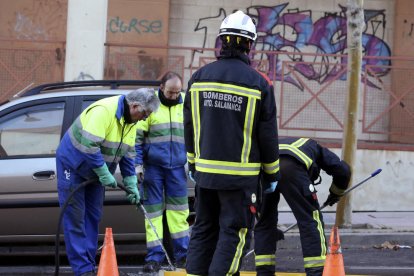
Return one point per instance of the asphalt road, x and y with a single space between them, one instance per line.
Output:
359 253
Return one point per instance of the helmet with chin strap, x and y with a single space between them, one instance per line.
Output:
239 24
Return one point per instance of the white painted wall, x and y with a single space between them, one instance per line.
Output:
391 190
86 35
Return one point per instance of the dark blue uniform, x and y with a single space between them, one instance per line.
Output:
230 135
301 161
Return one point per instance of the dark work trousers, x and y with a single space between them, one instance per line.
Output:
81 218
221 232
298 191
265 235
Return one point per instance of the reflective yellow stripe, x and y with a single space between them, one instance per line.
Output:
298 152
232 168
271 168
247 131
227 88
224 167
314 261
239 249
195 113
298 143
261 260
190 158
316 217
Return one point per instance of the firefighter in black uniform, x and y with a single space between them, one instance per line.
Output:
229 127
301 160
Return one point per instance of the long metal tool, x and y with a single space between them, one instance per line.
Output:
347 191
145 213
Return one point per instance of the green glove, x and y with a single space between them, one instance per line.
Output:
130 183
105 176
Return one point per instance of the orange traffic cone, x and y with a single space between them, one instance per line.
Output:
108 265
334 263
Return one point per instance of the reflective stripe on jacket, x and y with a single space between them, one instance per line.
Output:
160 138
230 125
315 157
99 137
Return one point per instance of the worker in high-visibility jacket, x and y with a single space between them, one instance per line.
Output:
101 137
301 160
230 127
160 148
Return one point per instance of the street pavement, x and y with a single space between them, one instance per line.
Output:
378 243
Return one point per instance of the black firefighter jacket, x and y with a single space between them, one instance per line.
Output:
315 157
230 125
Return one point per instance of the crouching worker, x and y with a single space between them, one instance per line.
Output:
101 137
301 160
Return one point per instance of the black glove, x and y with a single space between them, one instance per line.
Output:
279 235
332 199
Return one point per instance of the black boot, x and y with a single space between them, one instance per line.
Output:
314 271
151 267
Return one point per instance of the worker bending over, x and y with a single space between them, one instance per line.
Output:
301 160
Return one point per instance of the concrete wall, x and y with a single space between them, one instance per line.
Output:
195 24
391 190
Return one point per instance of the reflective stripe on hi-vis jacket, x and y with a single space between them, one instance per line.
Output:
230 98
294 148
101 136
230 125
160 138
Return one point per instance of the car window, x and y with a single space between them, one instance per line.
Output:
86 103
33 130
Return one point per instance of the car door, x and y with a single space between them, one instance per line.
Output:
29 135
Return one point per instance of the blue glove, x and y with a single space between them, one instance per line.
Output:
131 184
105 176
191 176
269 187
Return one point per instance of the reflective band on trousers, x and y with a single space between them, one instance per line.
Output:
239 250
262 260
314 261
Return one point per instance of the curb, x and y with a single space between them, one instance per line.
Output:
354 239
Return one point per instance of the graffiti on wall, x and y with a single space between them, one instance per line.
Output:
408 29
134 25
45 20
296 31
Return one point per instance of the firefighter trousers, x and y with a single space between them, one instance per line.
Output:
221 233
298 191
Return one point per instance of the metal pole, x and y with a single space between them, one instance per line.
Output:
356 24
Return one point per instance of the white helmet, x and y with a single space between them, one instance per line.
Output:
240 24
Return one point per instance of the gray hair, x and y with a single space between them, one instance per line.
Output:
145 97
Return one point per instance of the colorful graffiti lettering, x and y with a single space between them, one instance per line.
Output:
295 32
